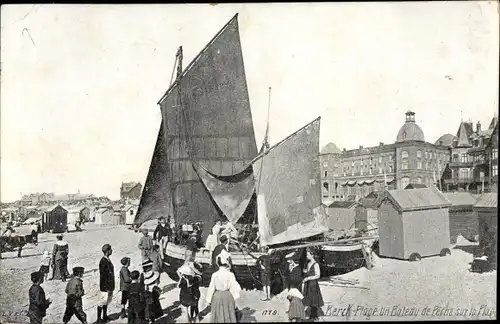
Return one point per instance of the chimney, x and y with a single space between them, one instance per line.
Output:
381 144
361 147
478 127
344 149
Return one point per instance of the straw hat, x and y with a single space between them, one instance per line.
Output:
150 277
292 256
146 263
196 268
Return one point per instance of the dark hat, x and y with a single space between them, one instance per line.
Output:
78 270
36 276
59 236
161 217
124 260
105 248
135 274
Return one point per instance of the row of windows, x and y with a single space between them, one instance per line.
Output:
428 155
371 171
494 170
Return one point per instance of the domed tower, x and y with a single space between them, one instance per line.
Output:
410 131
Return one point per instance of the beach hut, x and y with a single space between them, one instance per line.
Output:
130 212
345 215
103 216
118 217
486 208
413 224
463 219
55 219
78 213
370 204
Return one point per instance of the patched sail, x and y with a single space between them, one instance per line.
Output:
156 198
232 194
208 121
288 190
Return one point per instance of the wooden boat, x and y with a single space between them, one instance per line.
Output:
206 167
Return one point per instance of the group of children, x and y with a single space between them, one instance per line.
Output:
139 290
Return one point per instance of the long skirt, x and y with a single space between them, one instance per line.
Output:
312 294
296 310
223 308
60 269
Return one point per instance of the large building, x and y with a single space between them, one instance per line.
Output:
410 159
130 190
465 162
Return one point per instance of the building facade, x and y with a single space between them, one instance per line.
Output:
474 159
130 190
410 159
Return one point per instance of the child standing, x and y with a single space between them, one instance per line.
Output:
136 300
152 294
296 310
264 262
155 257
195 290
38 304
125 281
45 264
75 292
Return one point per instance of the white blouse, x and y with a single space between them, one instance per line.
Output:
223 279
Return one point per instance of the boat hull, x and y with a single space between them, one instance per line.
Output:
338 259
244 266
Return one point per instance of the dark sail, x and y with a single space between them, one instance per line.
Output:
288 188
156 198
231 193
210 124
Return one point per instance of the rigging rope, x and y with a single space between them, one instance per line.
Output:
265 147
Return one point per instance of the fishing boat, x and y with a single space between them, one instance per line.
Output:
206 167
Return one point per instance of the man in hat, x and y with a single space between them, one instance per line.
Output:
38 304
106 283
192 243
74 292
145 244
162 234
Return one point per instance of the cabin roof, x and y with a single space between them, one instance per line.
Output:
342 204
422 198
460 198
487 200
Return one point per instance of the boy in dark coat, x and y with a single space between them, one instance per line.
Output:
136 301
106 283
125 281
74 291
38 304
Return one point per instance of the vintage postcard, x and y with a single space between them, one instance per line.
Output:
223 163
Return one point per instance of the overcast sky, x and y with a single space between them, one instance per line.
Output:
80 83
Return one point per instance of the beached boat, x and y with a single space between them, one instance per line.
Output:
205 164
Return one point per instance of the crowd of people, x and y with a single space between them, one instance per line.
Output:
140 292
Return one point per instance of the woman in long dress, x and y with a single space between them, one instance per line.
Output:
223 291
296 309
312 293
60 254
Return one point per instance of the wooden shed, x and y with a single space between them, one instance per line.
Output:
104 216
463 219
414 223
344 215
130 211
370 204
486 208
55 219
78 213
